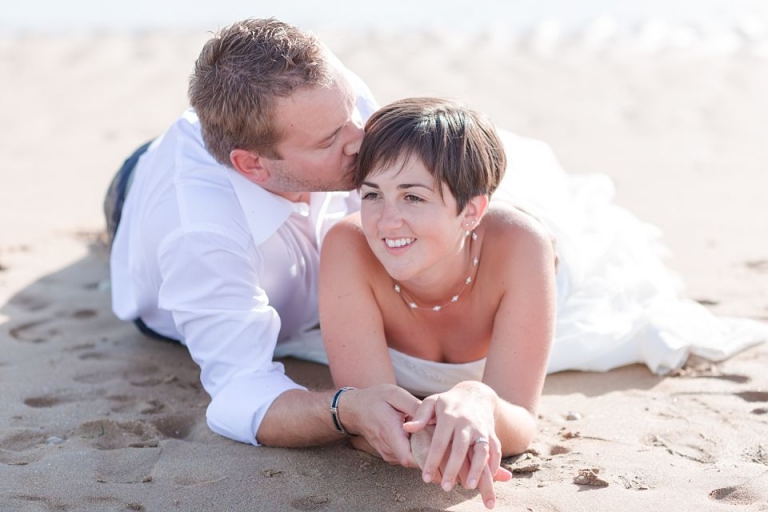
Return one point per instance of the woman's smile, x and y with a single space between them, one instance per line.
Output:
396 243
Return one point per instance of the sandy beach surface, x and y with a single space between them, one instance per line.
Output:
95 417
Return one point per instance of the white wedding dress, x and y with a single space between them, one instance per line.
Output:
617 303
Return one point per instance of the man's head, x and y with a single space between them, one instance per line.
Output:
458 146
275 106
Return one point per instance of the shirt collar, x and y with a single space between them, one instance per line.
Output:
264 211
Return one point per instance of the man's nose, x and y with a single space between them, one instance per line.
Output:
355 134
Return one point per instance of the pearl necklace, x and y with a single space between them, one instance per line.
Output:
473 264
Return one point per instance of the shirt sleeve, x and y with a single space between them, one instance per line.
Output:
210 284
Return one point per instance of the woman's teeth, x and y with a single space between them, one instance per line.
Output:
398 242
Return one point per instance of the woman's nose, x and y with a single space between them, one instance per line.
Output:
390 217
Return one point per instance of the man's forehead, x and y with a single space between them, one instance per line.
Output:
314 112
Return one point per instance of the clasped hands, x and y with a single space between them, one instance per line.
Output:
450 436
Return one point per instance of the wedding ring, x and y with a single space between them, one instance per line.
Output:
481 440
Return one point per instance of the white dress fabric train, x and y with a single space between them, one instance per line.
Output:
617 303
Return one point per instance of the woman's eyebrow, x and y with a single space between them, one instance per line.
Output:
401 186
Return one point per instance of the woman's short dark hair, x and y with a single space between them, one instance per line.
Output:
458 146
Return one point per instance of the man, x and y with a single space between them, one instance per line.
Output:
219 234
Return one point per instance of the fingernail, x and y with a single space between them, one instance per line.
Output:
426 477
447 486
490 504
472 483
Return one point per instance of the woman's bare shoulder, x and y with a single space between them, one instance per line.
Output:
345 242
346 231
516 244
512 227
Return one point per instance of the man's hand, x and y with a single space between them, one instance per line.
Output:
377 415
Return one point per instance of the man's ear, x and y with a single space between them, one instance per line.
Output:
475 210
251 164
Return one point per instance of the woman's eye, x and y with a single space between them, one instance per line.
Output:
370 195
413 199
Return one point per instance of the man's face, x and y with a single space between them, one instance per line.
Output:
322 132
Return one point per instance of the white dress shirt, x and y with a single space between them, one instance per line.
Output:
207 257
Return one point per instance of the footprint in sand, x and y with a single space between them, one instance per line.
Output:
688 445
97 356
37 331
40 331
45 502
144 375
311 502
758 454
45 401
115 435
101 503
84 313
194 481
29 303
99 377
61 398
736 495
559 450
22 441
757 265
131 404
123 403
82 346
22 448
126 465
753 396
106 434
175 427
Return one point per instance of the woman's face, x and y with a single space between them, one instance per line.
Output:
410 227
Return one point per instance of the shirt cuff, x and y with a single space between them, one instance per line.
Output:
237 410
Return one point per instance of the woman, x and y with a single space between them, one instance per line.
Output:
457 299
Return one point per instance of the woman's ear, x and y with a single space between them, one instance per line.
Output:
251 164
474 211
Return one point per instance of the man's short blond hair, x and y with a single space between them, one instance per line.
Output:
240 73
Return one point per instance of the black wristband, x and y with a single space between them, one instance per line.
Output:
335 410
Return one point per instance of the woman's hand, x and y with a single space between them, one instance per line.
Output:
463 442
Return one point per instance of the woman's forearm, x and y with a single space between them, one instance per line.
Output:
515 427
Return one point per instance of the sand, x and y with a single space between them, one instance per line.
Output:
96 417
